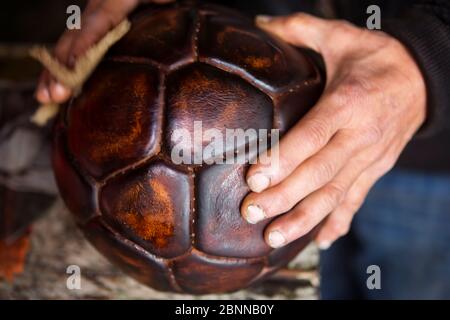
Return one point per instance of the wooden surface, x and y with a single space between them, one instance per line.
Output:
56 243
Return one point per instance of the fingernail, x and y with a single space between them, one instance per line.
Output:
258 182
263 19
254 214
42 95
59 89
276 239
324 245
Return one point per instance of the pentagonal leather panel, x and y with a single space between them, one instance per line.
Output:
240 47
115 122
220 228
151 207
199 274
77 194
163 36
127 256
201 96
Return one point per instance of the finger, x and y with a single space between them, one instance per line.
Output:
58 92
49 89
304 217
315 207
64 45
354 181
299 29
305 139
98 18
336 225
339 221
42 93
304 30
62 48
96 23
311 175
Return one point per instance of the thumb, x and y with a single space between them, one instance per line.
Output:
299 29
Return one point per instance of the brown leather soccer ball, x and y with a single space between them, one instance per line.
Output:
177 227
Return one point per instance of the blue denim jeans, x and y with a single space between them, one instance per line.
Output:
404 228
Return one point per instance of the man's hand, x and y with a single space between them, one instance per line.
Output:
99 17
373 103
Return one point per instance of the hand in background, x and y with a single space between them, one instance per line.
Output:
374 102
99 17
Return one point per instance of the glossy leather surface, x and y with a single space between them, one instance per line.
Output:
177 226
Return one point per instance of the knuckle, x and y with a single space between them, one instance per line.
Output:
300 17
282 202
324 170
366 158
304 214
292 22
350 90
343 32
285 165
335 193
341 228
344 25
318 132
373 135
297 229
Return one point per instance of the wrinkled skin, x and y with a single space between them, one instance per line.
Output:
373 104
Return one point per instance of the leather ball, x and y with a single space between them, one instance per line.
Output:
177 227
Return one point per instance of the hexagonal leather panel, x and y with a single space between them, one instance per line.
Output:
130 258
218 99
151 207
200 274
232 44
220 228
167 34
127 96
78 195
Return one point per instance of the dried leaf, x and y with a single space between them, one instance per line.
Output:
12 257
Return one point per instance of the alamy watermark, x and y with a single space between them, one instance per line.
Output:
373 22
227 146
73 281
374 280
73 22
